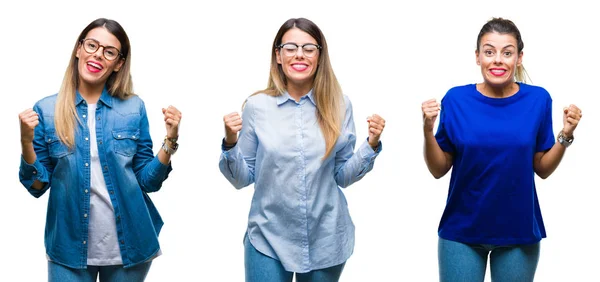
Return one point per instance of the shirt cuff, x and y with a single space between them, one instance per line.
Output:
366 151
225 147
32 172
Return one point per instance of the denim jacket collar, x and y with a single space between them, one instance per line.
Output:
105 98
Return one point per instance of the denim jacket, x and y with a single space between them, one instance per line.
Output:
130 171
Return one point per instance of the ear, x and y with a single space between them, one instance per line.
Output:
78 50
520 59
477 57
119 65
278 55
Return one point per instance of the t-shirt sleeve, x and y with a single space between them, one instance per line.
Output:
442 136
545 136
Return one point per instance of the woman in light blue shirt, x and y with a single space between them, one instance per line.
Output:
296 144
90 146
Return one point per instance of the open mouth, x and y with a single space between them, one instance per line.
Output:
94 67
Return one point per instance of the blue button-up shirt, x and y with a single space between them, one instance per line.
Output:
130 171
298 214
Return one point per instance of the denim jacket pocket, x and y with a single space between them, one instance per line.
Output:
126 141
56 148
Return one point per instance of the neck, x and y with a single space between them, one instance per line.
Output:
296 91
90 93
498 91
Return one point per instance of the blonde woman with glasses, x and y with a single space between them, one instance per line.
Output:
90 146
296 144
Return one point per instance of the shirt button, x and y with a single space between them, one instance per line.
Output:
86 191
84 242
34 172
118 217
112 191
84 116
86 164
122 242
98 118
86 139
85 215
100 142
105 168
119 136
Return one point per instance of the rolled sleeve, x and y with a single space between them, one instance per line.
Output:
29 173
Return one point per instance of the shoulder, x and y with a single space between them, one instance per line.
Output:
456 92
534 91
131 105
45 106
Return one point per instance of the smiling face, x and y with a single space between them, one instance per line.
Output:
499 58
94 69
298 68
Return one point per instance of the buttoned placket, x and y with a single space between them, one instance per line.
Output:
86 183
302 177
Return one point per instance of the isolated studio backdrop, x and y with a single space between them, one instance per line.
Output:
206 59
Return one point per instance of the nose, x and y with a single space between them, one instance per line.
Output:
498 58
99 53
299 53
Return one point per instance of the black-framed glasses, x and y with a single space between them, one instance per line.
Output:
291 49
91 45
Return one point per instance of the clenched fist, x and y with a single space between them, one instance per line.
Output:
29 120
431 109
376 125
233 125
571 116
172 120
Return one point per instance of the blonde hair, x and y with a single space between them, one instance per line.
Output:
119 83
327 92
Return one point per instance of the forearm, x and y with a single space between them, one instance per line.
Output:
548 161
436 159
30 157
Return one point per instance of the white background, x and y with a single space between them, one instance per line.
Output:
207 58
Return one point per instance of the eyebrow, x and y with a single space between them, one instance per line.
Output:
507 46
103 44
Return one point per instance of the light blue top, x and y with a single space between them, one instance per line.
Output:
298 214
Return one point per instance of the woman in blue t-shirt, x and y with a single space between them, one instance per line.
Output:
495 134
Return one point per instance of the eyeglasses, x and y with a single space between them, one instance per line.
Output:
291 49
92 45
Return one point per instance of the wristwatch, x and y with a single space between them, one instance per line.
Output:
171 150
564 140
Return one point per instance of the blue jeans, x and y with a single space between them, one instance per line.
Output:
261 268
110 273
459 262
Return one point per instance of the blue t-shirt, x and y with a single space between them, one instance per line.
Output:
492 197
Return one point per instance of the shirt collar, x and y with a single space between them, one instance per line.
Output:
286 96
105 98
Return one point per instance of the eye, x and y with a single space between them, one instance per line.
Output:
111 52
91 45
507 54
488 52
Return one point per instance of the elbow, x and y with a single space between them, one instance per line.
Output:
542 175
438 173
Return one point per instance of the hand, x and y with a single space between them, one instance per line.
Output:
571 116
29 120
172 120
376 125
431 109
233 125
